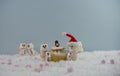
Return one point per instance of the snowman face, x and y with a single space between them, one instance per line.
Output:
22 45
44 47
30 46
72 46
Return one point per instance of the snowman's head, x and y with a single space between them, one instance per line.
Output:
22 46
75 46
30 46
44 47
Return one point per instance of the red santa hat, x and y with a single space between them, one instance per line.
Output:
72 38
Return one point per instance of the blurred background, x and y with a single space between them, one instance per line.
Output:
94 22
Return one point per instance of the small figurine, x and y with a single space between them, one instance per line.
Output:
43 50
23 49
69 56
48 56
75 47
57 44
30 49
72 55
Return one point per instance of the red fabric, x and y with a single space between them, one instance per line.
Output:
72 38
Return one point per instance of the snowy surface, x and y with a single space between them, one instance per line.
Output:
97 63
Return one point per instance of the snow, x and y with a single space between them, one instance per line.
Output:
97 63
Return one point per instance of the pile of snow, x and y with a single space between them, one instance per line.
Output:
97 63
